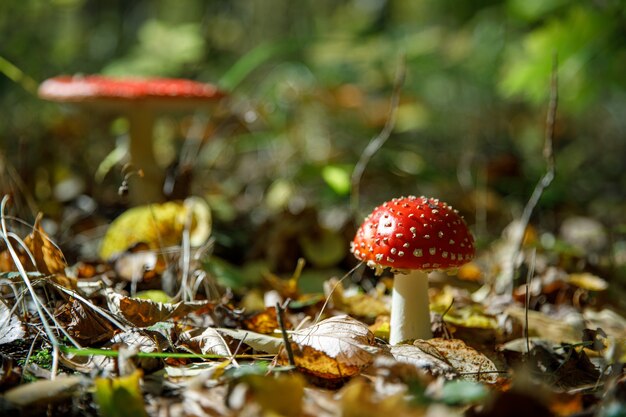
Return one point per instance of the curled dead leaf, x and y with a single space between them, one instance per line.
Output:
48 258
143 313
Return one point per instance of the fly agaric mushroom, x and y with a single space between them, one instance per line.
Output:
412 236
139 99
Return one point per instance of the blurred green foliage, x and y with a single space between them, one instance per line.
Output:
310 83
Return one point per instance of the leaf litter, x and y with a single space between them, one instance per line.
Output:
78 337
553 349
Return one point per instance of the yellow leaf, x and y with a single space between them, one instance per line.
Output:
120 397
281 394
158 226
358 399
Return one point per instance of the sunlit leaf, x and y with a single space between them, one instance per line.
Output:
120 397
145 313
338 178
337 347
158 226
260 342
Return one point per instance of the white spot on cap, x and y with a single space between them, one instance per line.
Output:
432 251
418 253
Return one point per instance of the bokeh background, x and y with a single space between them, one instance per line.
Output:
310 84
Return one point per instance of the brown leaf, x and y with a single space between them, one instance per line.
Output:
47 256
337 347
448 358
83 324
264 321
467 361
143 313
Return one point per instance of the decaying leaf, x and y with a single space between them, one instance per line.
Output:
258 341
143 313
467 361
355 304
47 256
158 225
550 328
139 264
11 328
359 399
211 342
264 321
279 395
83 324
43 392
427 359
337 347
447 357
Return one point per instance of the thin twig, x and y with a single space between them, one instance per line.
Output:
281 322
529 277
378 141
332 290
504 285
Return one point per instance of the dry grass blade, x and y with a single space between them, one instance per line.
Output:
39 306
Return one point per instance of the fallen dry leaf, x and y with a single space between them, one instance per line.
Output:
257 341
144 313
448 358
83 324
210 342
359 399
469 363
279 395
43 392
264 321
47 256
355 304
11 328
158 226
337 347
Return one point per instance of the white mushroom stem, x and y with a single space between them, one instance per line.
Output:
410 313
149 188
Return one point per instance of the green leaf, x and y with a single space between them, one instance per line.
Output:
338 178
463 392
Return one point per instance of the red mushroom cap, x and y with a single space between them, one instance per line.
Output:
79 88
414 233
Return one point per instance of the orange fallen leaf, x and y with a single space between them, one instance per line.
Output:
337 347
47 256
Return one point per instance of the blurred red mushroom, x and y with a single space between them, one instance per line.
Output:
140 100
412 235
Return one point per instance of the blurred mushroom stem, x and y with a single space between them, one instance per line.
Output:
410 313
149 188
